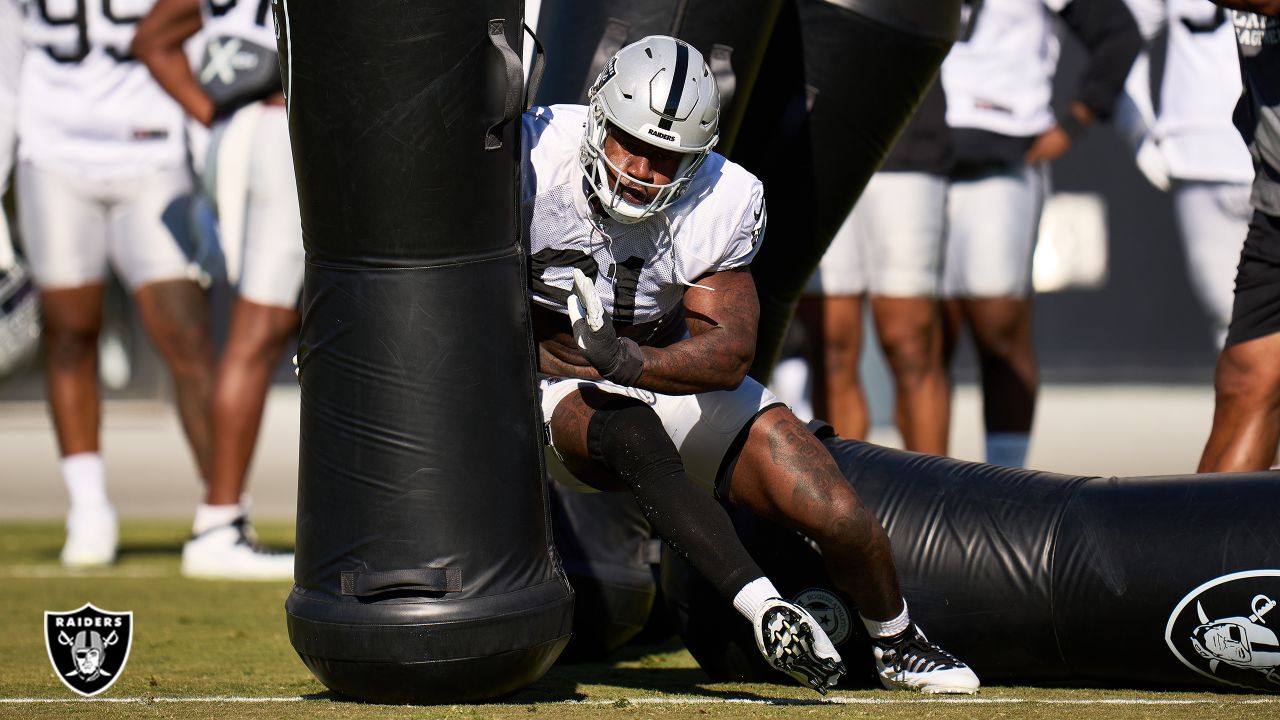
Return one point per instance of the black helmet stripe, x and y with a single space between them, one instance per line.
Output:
677 86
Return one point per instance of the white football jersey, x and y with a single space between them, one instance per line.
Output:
84 103
999 76
247 19
11 49
640 270
1198 93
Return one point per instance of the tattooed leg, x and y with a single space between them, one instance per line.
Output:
786 475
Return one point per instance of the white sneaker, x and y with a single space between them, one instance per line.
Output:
92 534
908 661
229 552
792 641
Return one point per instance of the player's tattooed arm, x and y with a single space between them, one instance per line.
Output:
721 345
158 43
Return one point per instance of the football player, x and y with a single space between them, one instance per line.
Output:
237 90
19 314
889 249
1190 147
998 82
1246 413
645 314
103 179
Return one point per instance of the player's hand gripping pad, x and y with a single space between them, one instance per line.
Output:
425 570
617 359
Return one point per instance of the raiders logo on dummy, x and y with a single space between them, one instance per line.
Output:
88 647
1221 630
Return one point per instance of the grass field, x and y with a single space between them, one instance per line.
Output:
220 649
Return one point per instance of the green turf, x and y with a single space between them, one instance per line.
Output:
200 639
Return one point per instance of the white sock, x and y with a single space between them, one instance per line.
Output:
212 516
753 596
1008 448
887 628
86 479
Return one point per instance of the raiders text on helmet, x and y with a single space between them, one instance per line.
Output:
660 91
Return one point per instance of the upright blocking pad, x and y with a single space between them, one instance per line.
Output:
425 570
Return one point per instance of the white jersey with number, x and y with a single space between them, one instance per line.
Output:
641 270
11 49
999 76
1198 93
85 105
246 19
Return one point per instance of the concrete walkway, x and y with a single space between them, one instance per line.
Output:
1080 429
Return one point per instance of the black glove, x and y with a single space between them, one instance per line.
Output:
619 360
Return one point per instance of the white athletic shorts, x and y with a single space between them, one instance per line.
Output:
257 202
1213 218
891 243
72 226
992 223
702 426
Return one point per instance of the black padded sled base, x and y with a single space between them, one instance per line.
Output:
408 631
606 616
1035 577
436 682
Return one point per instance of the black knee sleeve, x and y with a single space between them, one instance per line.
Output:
626 436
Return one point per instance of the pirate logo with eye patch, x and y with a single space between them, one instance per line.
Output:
88 647
1226 629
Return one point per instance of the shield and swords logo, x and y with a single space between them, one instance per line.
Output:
88 646
1226 629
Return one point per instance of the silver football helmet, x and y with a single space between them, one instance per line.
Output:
658 90
19 309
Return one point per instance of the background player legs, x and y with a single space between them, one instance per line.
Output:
175 314
910 333
993 220
834 324
255 340
1001 331
1246 414
72 321
1213 220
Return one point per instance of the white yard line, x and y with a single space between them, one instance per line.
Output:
57 571
834 700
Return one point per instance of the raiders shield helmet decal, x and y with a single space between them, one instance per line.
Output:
88 647
1227 630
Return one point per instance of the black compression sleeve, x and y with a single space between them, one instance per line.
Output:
627 437
1109 32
